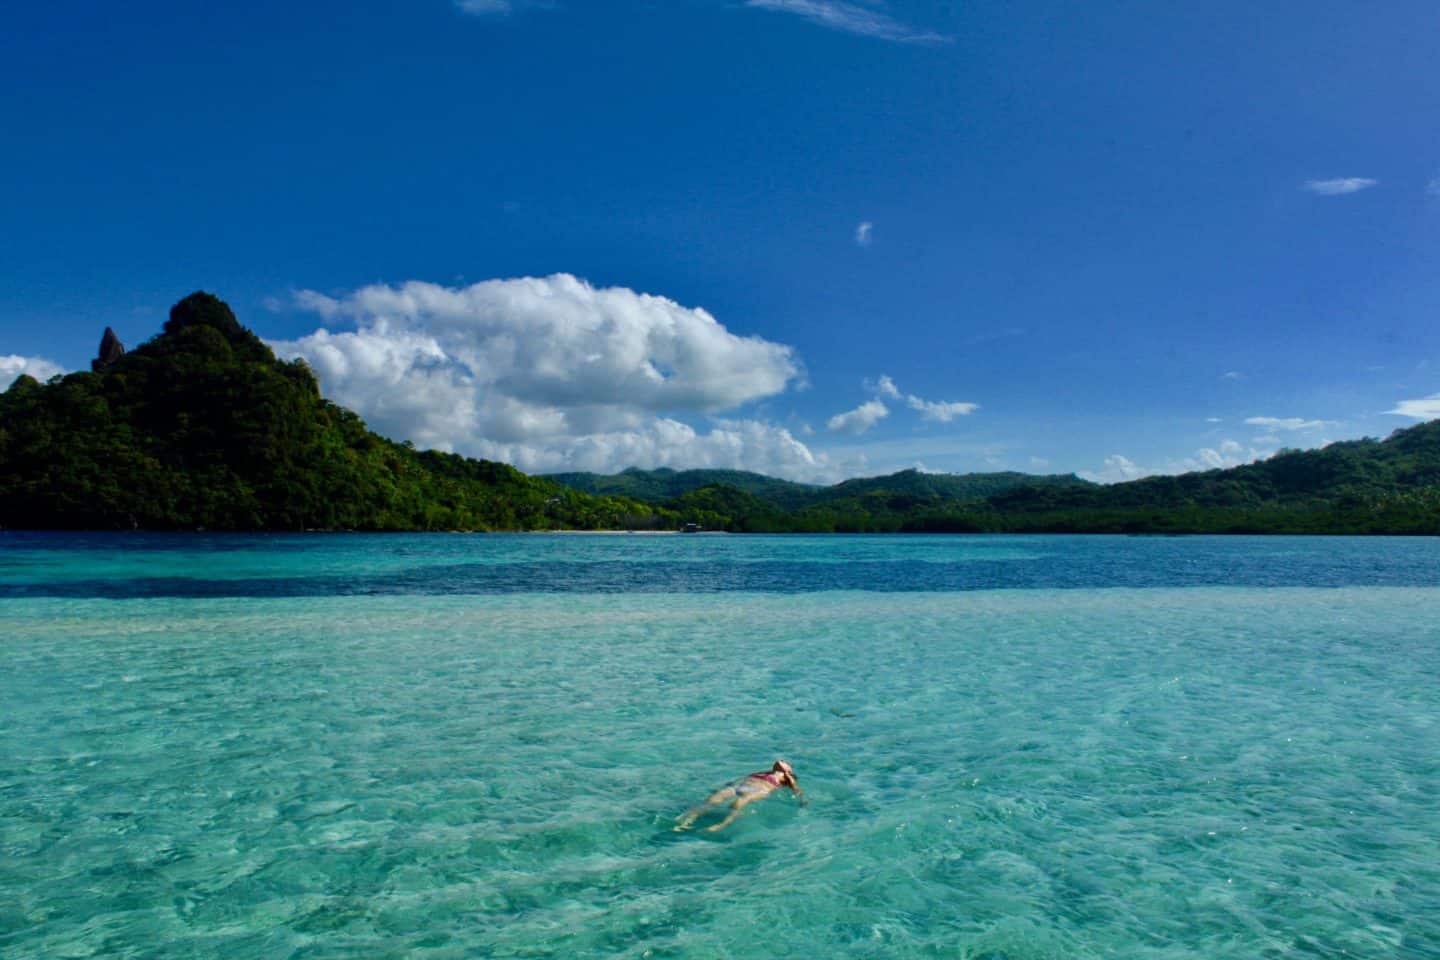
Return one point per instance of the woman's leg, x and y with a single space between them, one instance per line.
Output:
711 802
741 802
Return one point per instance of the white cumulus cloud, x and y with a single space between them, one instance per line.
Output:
12 366
551 373
663 442
857 421
864 233
1339 186
1425 408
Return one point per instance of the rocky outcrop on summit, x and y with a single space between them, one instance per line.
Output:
111 349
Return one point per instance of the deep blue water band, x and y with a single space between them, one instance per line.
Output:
45 565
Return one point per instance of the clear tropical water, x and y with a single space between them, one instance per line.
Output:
476 746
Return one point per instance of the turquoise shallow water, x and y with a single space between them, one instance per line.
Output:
227 748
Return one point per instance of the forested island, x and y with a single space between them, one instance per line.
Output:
202 427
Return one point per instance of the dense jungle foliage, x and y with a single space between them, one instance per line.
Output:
203 428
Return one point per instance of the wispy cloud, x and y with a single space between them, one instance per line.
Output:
850 18
1433 187
866 456
1287 423
1425 408
884 387
484 8
864 233
1339 186
936 411
499 8
940 411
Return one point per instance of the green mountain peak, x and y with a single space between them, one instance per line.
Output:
202 427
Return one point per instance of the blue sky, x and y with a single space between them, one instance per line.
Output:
813 238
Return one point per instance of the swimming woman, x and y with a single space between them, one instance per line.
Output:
742 793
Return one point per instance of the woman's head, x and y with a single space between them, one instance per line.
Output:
786 772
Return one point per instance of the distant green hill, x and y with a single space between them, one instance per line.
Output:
1356 486
658 486
663 485
1361 486
944 486
739 501
202 427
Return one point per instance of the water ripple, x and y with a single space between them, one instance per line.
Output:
1229 772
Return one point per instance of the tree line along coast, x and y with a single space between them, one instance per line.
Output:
202 427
